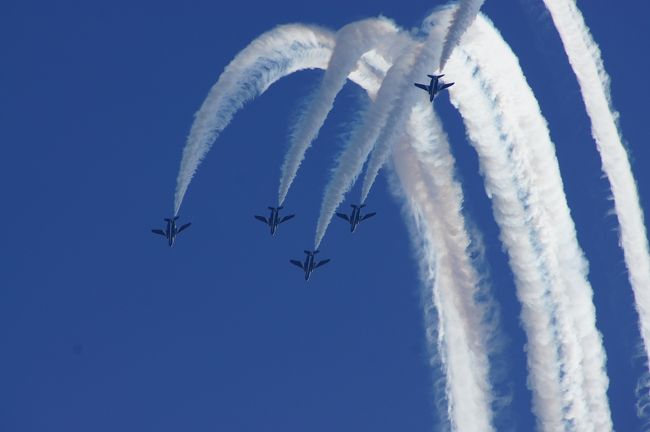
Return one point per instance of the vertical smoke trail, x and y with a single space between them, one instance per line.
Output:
511 216
268 58
584 55
517 115
464 362
462 18
352 41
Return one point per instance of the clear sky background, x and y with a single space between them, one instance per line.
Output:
104 328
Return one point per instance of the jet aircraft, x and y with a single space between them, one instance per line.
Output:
355 218
274 218
434 87
310 263
171 231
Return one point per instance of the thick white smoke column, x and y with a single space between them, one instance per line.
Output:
426 170
518 159
584 56
462 18
352 41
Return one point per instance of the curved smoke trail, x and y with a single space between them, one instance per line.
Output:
352 41
272 55
585 59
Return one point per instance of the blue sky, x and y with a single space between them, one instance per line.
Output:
104 328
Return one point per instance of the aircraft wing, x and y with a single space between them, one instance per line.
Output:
286 218
369 215
261 219
444 86
157 231
183 228
322 263
422 86
343 216
296 263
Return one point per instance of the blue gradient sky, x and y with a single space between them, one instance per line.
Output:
104 328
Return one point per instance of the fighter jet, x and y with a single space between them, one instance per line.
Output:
434 87
310 264
274 218
171 231
355 217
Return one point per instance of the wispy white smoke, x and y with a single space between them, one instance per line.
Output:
584 56
462 18
352 41
518 159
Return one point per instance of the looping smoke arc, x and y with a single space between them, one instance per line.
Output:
504 124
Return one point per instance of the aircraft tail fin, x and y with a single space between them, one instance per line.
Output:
436 76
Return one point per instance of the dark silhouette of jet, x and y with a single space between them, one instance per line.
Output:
310 263
434 86
171 231
274 218
355 218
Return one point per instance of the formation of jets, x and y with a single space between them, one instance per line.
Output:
274 220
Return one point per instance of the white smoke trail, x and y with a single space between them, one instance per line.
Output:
538 181
352 41
510 215
463 360
462 19
584 55
386 117
351 161
272 55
